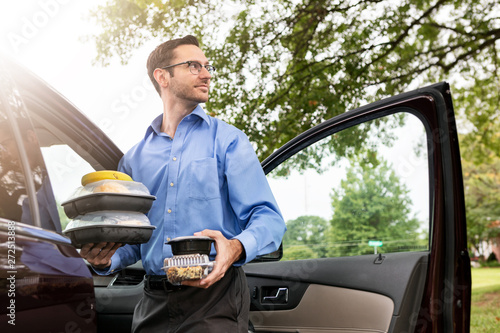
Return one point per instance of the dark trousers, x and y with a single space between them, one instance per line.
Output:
223 307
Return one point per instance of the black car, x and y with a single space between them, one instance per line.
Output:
373 200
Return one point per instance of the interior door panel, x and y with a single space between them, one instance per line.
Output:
330 309
323 285
116 298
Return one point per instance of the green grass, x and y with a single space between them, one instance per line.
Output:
485 311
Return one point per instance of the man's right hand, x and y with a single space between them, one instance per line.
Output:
99 255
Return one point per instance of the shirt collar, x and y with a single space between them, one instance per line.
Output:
156 123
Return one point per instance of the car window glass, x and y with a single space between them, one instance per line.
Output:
15 200
363 190
12 186
65 168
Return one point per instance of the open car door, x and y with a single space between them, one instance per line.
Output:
376 239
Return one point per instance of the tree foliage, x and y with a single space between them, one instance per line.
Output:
286 65
372 204
480 150
306 237
482 188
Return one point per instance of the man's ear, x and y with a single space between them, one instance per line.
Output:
162 77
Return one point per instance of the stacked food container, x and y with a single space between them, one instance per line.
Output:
190 259
109 207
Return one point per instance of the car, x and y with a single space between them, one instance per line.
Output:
373 200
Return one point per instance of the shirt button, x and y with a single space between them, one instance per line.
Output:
175 158
168 239
171 184
169 211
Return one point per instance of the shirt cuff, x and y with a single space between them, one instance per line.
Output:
250 247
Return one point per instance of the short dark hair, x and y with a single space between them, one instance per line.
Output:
163 55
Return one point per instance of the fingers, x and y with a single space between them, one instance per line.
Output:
228 252
86 249
110 251
215 234
205 283
193 283
214 276
99 255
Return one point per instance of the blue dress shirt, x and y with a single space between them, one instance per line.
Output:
206 177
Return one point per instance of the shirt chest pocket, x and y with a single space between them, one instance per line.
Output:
203 179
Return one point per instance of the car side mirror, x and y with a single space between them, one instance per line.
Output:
273 256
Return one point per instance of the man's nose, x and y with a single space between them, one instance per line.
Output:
204 73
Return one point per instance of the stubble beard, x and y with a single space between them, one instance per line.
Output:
189 93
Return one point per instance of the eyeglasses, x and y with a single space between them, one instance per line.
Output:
194 67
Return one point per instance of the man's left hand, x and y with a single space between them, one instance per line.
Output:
228 252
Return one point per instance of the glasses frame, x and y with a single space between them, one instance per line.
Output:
210 69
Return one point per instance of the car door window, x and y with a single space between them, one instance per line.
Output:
362 190
25 189
65 168
12 187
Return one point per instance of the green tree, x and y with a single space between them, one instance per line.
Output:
482 188
480 150
305 238
480 139
286 65
372 204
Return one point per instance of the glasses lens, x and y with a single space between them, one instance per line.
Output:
195 68
210 69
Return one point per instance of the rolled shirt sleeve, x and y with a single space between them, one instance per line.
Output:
252 200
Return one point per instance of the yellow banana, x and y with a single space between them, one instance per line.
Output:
104 174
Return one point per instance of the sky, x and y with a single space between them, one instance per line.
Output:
50 38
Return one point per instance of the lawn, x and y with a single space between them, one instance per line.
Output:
485 312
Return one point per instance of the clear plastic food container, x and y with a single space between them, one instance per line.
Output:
112 186
187 267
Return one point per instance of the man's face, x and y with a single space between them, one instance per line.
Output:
185 85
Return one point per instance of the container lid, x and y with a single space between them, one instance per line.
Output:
111 186
189 238
191 245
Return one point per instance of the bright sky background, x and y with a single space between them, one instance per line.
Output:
47 37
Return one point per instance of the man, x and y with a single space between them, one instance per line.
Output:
208 181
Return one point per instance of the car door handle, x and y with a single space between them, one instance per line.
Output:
280 297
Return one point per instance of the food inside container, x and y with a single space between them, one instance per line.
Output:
187 267
190 260
112 186
109 195
104 174
109 218
109 226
